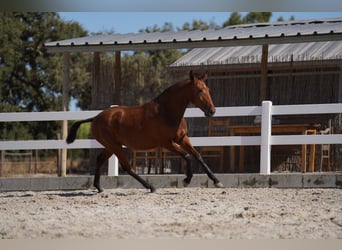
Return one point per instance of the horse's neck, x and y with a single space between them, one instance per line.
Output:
173 102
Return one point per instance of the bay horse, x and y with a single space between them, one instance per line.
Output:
158 123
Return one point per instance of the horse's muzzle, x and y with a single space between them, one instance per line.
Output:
210 112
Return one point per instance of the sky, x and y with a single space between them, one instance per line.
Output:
132 22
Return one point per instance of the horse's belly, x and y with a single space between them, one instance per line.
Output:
142 140
131 127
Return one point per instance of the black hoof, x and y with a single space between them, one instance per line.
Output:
186 182
153 189
99 188
218 185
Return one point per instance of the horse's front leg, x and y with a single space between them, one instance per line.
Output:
187 146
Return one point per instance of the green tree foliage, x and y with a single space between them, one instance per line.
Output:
251 17
31 78
144 73
257 17
234 19
199 25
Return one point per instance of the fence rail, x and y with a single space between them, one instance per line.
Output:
265 140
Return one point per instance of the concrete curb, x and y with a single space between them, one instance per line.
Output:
283 180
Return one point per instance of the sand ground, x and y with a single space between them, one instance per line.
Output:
184 213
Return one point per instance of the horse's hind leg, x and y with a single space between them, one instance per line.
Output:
138 178
189 172
127 167
186 145
176 148
101 158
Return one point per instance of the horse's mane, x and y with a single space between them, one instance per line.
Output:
173 88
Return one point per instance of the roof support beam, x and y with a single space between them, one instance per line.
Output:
263 82
117 78
192 44
65 106
340 86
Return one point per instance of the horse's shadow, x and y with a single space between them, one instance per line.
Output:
88 193
73 194
62 194
17 196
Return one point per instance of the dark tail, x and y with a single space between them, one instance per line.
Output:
73 130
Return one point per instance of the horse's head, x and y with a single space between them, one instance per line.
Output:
201 95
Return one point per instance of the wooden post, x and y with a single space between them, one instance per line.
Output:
113 162
95 89
263 83
117 78
102 96
232 156
303 160
65 107
340 86
95 80
2 163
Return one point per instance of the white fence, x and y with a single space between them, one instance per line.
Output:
265 140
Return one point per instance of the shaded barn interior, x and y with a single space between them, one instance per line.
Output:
312 76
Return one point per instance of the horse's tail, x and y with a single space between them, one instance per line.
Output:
73 130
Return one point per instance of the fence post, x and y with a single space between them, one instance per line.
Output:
65 100
113 166
265 147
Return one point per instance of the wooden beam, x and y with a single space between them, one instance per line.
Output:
340 85
95 102
65 107
280 66
117 78
263 82
95 81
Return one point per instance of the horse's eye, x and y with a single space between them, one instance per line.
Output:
200 91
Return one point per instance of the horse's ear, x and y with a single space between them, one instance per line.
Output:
205 76
191 75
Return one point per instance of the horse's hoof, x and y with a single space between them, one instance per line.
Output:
99 189
219 185
153 189
185 183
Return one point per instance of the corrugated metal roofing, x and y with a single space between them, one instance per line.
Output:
252 54
248 34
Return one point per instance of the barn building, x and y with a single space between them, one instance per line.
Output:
297 73
293 62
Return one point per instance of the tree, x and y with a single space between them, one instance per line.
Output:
257 17
199 25
234 19
31 78
144 73
280 19
251 17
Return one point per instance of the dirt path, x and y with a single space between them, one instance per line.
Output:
173 213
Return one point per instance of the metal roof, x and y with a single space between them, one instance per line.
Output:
238 35
295 52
